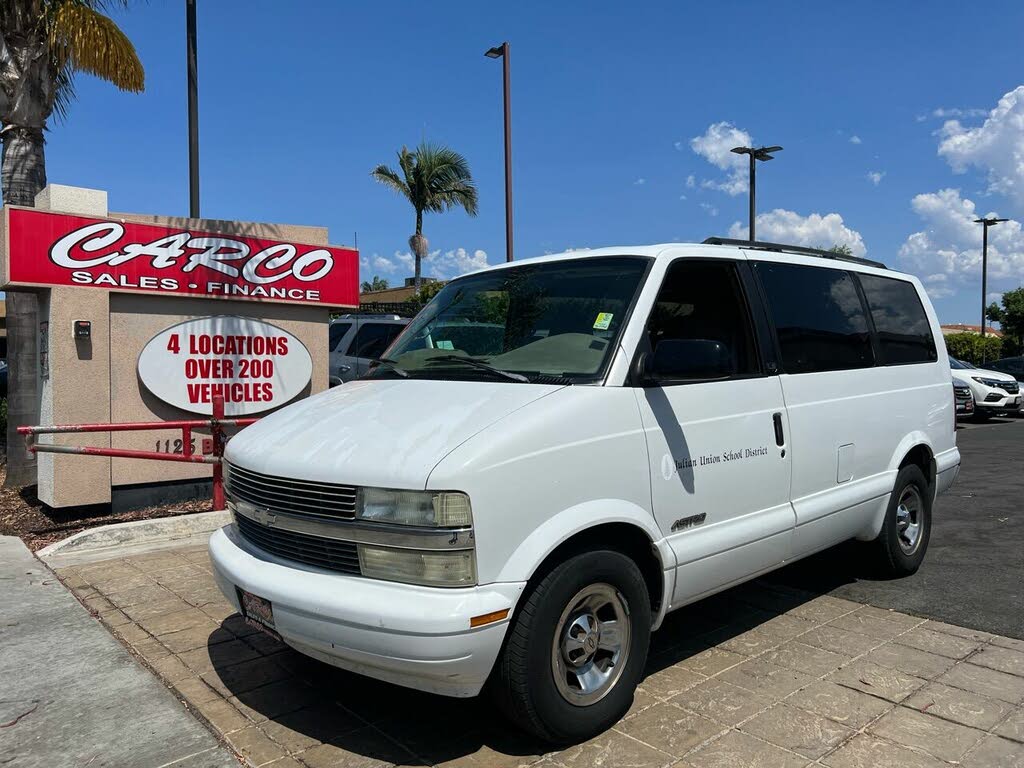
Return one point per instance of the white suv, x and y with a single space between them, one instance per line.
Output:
994 391
355 340
635 429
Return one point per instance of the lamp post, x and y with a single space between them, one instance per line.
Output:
193 109
986 222
759 153
502 52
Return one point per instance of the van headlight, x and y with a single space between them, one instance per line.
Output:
418 566
440 509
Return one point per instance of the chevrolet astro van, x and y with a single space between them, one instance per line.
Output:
647 426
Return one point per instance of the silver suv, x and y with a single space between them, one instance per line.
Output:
355 340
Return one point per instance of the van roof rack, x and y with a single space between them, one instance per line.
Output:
759 245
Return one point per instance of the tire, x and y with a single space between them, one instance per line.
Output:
536 682
903 540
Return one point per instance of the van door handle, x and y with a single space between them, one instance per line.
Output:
780 439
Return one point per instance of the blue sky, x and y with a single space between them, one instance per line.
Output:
296 108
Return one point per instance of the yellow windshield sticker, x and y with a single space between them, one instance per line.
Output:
604 319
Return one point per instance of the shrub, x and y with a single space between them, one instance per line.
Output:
972 348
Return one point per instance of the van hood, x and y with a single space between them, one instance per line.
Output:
383 432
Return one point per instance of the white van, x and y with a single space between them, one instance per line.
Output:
653 425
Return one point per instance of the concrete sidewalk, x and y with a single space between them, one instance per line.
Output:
71 694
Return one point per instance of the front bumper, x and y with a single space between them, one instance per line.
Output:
1006 403
409 635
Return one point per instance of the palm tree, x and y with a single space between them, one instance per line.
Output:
377 284
432 178
43 43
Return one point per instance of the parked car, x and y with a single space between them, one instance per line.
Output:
1011 365
963 398
654 425
355 340
994 391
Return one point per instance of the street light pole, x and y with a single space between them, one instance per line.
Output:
503 51
760 153
753 197
193 110
986 222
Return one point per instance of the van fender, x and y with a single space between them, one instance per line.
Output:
558 529
910 440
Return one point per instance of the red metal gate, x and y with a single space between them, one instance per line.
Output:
215 424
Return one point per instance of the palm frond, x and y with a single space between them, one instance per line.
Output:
63 91
433 178
84 39
390 178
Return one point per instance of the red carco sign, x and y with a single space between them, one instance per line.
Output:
59 249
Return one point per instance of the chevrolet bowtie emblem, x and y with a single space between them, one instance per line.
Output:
264 516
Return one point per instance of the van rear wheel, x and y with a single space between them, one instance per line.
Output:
903 540
576 648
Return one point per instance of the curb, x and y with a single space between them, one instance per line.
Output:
120 539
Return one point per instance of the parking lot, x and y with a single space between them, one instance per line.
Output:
973 575
808 667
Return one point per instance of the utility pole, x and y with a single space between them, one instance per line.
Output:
193 110
760 153
504 53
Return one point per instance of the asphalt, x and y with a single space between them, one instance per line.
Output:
71 695
973 572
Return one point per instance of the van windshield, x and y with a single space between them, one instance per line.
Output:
550 320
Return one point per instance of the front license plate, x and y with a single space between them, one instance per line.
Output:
257 612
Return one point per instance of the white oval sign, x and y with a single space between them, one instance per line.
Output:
254 365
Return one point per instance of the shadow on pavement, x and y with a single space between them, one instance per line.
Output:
308 701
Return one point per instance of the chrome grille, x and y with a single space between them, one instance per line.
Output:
289 496
331 554
1011 387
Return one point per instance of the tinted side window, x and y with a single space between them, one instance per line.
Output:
372 339
904 335
818 317
703 301
336 333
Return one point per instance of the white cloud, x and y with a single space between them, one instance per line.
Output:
875 177
691 181
996 147
948 249
855 139
957 112
639 182
813 231
435 264
714 146
710 209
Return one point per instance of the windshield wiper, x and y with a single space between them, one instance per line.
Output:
481 365
394 365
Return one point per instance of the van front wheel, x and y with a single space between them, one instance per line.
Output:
903 540
576 649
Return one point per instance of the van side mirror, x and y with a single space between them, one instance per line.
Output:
690 359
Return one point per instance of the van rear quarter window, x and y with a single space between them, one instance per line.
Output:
819 318
904 334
